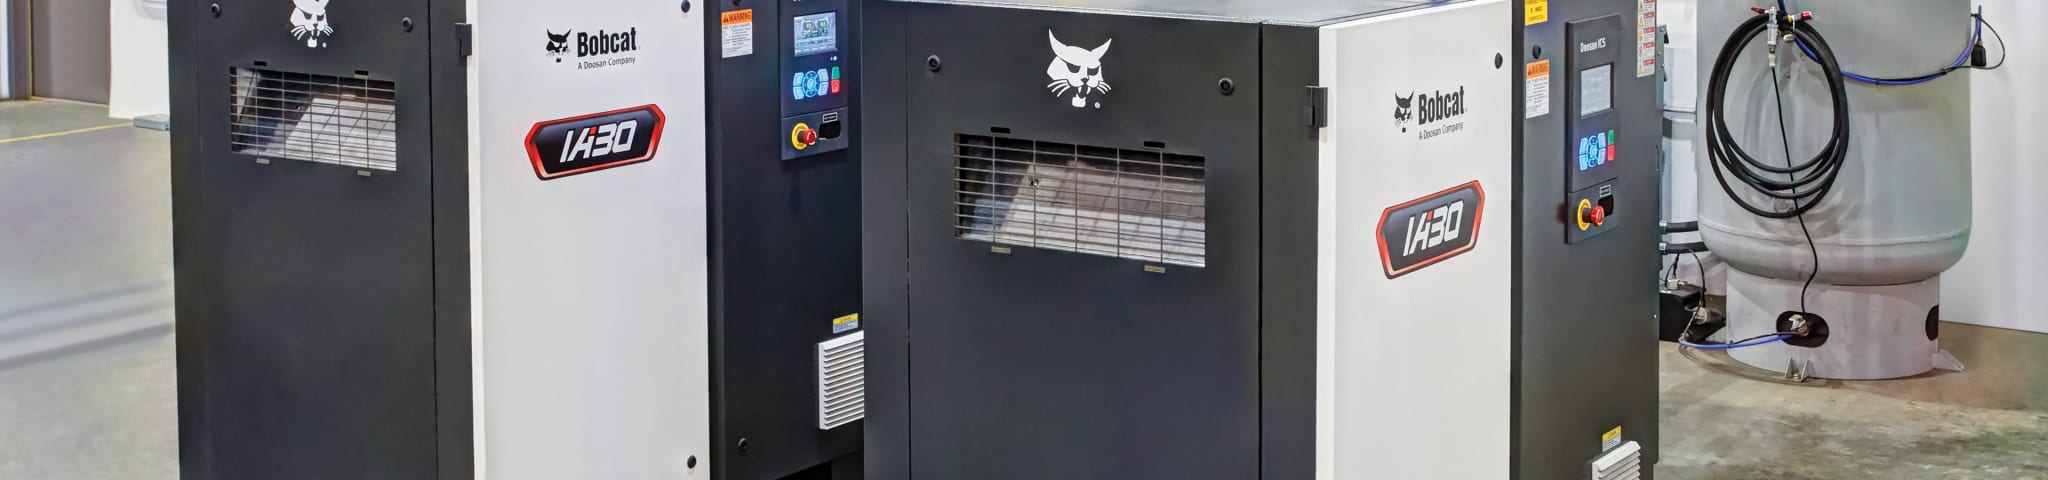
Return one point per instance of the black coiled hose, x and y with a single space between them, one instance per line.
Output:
1804 184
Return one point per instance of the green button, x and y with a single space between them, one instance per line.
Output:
835 72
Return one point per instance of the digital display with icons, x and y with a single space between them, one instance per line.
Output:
1596 90
814 83
1596 150
817 33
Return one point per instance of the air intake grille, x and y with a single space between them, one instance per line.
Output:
315 118
842 380
1623 463
1136 204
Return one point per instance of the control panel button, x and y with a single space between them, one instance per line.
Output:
803 136
1585 214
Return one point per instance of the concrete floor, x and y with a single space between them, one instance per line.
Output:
87 385
87 380
1725 420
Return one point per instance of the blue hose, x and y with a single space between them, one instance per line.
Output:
1976 35
1766 341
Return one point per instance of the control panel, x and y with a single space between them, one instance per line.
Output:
814 54
1593 127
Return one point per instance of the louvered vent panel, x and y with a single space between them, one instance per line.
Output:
1623 463
842 380
1137 204
316 118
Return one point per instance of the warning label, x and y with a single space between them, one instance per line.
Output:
1535 11
1536 89
736 32
1646 38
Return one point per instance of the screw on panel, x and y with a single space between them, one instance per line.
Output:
933 63
1227 86
1498 60
743 445
686 9
692 461
215 8
1536 51
405 23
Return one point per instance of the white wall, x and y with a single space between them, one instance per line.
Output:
1999 277
141 56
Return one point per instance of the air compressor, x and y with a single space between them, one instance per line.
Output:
516 239
1245 239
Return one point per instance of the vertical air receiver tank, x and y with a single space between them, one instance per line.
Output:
1897 217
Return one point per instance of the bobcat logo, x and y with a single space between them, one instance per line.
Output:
1404 110
558 44
1076 71
309 22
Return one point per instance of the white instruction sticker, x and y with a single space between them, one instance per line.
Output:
736 30
1646 38
1536 90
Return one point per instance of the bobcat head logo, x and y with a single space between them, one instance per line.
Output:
1404 110
558 44
1076 72
309 22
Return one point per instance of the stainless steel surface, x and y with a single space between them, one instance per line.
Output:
1276 11
71 46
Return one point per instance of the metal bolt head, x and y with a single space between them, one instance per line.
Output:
1227 86
405 23
934 63
686 9
215 8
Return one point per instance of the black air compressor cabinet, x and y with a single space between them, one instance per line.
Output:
310 343
1100 236
1062 330
1592 142
446 239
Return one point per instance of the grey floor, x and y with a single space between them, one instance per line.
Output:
86 369
87 382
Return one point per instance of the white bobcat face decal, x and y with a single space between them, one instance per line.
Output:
309 21
1076 71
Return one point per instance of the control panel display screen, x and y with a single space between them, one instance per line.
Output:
817 33
1596 90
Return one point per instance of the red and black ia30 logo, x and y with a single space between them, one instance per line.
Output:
588 143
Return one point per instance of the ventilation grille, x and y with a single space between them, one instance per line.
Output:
842 381
1136 204
315 118
1622 463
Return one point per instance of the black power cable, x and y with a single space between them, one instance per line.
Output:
1808 182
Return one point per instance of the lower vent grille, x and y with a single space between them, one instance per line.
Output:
1623 463
1136 204
842 380
315 118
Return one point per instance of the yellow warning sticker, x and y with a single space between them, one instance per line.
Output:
1611 439
1536 89
845 324
736 33
1535 11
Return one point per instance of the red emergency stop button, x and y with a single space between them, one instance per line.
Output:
1598 216
803 136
